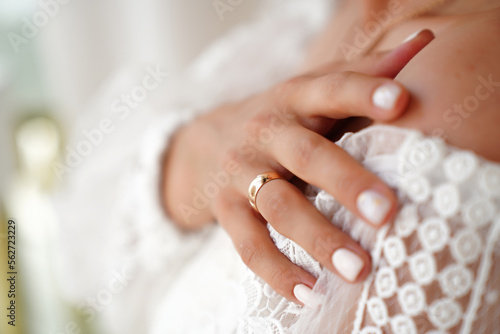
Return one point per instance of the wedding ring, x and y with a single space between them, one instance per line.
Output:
257 184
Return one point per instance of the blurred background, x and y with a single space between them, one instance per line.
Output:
54 56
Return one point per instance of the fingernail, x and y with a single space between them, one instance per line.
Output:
347 263
412 36
373 206
386 96
305 295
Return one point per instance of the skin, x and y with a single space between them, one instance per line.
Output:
332 89
456 59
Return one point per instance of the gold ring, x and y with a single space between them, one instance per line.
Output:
257 184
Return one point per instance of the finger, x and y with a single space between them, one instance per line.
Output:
322 163
390 63
257 250
369 93
292 215
346 94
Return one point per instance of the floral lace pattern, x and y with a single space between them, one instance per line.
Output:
267 311
435 267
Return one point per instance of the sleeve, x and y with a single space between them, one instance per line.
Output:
112 226
109 204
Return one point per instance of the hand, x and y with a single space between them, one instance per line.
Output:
212 161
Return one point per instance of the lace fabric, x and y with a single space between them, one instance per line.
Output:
436 268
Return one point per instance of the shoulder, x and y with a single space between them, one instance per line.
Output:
455 84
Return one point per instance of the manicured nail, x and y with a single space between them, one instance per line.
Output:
373 206
305 295
386 96
412 36
347 263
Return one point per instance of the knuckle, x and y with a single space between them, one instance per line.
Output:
304 152
290 91
288 87
231 157
335 81
254 125
345 183
250 251
278 205
324 245
282 280
351 183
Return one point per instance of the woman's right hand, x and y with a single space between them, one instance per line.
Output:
212 162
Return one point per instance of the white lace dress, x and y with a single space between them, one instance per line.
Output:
436 268
128 269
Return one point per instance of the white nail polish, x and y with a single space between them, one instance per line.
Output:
386 96
412 36
305 295
347 263
373 206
